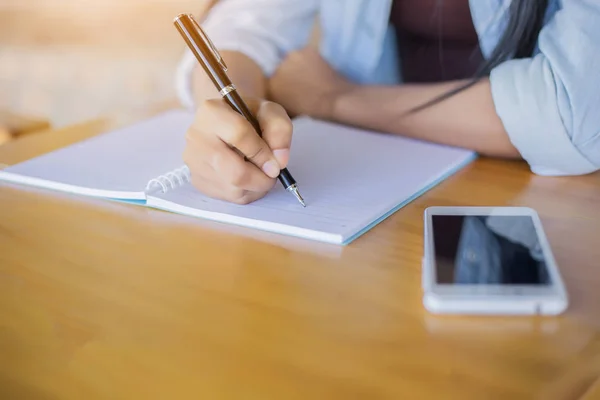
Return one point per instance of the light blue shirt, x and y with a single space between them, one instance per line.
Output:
549 104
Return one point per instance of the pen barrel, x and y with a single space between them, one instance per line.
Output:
286 178
200 46
236 102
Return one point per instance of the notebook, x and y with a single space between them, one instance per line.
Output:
351 179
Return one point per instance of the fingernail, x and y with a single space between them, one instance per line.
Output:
282 156
271 168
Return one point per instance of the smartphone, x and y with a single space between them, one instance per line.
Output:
489 260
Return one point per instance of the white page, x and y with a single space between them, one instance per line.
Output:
348 177
116 164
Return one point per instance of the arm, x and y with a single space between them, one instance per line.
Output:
544 108
467 119
306 84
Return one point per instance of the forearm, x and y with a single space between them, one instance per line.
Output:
243 71
468 119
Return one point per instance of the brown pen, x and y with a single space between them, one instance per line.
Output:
210 59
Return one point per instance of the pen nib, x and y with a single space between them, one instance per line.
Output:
294 190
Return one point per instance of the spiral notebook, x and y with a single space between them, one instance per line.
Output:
350 178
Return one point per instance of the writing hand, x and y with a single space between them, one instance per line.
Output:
217 170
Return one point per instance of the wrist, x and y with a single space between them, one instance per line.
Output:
340 100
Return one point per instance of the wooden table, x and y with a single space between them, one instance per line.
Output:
101 300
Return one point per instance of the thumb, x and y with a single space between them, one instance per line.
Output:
276 130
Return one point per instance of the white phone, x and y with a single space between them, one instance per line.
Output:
489 260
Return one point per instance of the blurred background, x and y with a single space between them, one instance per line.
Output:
66 61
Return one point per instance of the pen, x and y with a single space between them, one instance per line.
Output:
210 59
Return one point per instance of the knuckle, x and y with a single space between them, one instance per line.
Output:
276 119
189 155
257 154
206 113
272 108
203 110
277 108
216 159
194 154
235 195
237 131
192 134
238 175
281 127
209 105
189 136
198 170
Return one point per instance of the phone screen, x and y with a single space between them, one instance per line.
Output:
488 250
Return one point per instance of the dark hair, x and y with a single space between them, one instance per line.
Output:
525 21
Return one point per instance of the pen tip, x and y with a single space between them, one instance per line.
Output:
296 193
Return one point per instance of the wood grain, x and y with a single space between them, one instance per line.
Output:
100 300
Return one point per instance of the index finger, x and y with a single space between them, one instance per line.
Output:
233 129
276 130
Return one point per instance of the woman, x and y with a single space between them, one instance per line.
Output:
506 78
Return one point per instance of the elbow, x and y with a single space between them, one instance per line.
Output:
567 159
502 149
554 129
496 143
562 172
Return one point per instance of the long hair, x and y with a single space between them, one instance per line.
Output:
525 21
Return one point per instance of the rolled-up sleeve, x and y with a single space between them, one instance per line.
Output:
263 30
550 103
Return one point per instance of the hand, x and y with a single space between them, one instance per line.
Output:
306 84
217 170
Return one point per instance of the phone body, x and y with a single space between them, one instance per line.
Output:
489 260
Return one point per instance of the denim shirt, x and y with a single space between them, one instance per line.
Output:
549 104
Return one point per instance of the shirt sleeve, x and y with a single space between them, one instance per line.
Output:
263 30
549 103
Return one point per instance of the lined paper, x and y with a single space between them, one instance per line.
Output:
348 177
115 164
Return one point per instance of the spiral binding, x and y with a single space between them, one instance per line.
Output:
170 180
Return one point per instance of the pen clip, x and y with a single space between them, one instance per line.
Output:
211 45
